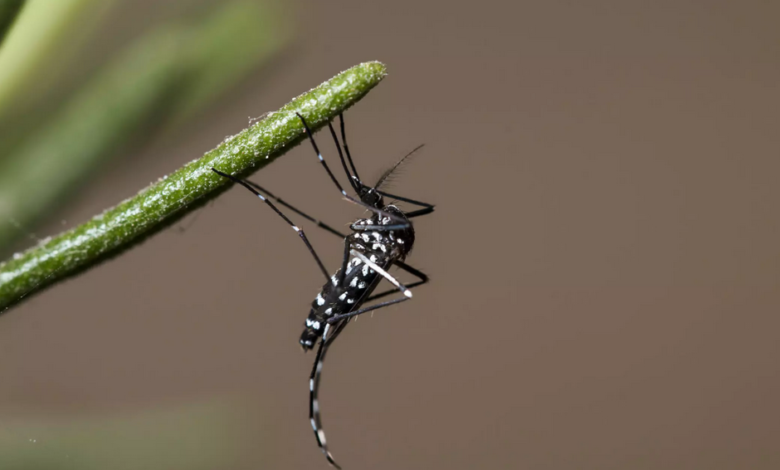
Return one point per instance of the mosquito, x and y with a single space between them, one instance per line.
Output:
376 243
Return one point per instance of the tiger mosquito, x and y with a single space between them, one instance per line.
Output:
375 244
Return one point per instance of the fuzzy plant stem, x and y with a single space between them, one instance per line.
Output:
166 201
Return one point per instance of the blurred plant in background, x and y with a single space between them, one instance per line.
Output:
62 116
192 437
8 11
51 141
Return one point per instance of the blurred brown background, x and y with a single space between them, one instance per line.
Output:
604 257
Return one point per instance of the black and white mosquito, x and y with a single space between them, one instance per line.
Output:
376 244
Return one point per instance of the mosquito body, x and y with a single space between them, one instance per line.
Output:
376 244
370 253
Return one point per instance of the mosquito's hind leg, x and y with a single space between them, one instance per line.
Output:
423 279
420 275
314 387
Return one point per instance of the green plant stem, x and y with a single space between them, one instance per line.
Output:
8 11
160 204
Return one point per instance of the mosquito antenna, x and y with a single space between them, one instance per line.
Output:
384 178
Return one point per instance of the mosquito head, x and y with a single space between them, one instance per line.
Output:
371 197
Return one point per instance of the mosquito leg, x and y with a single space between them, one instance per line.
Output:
419 274
406 199
319 155
427 208
271 204
314 404
314 387
399 225
337 329
319 223
418 213
382 273
346 148
342 316
352 181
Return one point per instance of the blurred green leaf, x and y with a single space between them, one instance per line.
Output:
235 40
175 69
41 32
117 229
64 149
8 11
